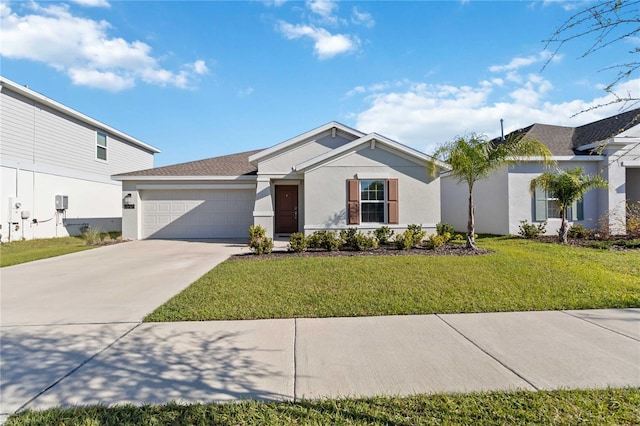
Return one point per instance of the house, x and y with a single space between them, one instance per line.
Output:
56 165
608 147
329 178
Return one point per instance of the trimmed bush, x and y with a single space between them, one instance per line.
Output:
417 233
578 231
259 243
383 234
297 242
404 241
363 242
530 230
435 241
348 236
445 230
328 240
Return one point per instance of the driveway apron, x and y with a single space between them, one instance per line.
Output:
58 314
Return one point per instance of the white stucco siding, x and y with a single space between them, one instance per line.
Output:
491 200
325 194
90 203
521 201
282 163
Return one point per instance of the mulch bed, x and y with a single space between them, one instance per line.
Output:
446 250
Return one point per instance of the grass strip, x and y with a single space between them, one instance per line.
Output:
17 252
565 407
519 275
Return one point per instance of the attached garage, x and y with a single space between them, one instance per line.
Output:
196 213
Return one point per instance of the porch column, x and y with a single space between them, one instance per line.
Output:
263 208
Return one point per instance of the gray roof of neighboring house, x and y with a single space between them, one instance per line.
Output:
226 165
563 140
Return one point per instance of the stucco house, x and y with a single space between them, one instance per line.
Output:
56 165
331 177
609 147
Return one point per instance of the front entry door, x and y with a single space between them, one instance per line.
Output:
286 209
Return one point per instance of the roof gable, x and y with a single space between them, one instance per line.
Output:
311 134
373 140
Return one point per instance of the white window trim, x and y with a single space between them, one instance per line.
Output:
384 201
106 147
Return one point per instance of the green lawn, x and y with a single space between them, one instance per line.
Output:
26 251
590 407
519 275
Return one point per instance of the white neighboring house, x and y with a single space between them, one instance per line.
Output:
332 177
56 165
609 147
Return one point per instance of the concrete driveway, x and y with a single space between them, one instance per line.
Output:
58 314
118 283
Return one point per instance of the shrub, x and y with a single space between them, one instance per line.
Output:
435 241
297 242
458 237
328 240
531 230
445 229
316 239
348 236
417 233
91 236
633 220
331 241
578 231
383 234
404 241
259 243
363 242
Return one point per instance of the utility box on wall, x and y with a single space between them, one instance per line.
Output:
15 207
62 202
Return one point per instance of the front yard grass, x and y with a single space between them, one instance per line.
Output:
570 407
17 252
519 275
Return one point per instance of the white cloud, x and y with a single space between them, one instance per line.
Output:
326 44
83 49
425 115
520 62
362 18
92 3
324 9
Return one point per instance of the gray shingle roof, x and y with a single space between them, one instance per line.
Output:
563 140
226 165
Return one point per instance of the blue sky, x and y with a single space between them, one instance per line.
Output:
207 78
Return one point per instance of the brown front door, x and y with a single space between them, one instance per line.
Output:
286 209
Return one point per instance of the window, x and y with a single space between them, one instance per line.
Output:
546 207
372 201
101 146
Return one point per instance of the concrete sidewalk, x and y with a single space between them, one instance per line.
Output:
289 359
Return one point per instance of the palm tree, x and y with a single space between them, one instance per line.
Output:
473 158
567 186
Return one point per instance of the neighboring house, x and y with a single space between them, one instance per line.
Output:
332 177
608 147
56 166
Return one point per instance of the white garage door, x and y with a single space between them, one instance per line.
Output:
197 213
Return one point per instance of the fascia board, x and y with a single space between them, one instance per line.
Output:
41 99
307 135
183 178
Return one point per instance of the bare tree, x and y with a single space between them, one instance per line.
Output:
608 22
